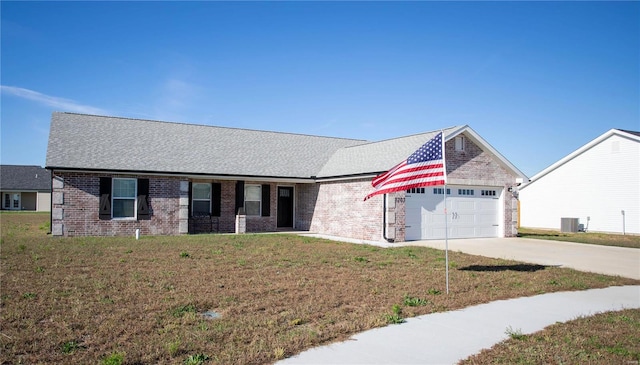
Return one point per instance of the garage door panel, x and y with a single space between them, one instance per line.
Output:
470 214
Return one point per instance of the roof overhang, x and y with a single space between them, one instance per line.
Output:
192 176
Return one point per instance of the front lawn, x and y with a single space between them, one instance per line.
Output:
118 300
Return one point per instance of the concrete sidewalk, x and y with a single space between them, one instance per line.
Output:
608 260
448 337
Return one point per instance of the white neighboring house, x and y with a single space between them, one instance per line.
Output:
599 184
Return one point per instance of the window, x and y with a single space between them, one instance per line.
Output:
124 198
465 192
252 199
415 191
201 199
459 143
488 193
440 191
11 201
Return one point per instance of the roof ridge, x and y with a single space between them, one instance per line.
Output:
211 126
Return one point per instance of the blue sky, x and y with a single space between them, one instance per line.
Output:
537 80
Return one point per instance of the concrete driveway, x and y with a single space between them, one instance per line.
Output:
620 261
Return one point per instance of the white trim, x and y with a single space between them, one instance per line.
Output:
485 146
245 201
291 180
344 178
135 198
580 151
193 199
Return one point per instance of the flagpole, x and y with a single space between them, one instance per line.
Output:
446 238
446 228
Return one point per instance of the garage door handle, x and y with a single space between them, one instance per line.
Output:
407 226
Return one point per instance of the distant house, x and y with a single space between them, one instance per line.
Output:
25 188
599 184
113 175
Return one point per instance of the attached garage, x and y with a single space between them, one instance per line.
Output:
473 212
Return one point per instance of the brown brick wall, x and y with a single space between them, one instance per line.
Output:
341 211
80 204
77 214
332 208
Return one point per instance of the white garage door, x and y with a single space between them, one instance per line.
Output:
472 212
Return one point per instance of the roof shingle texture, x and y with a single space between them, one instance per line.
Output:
79 141
374 157
21 177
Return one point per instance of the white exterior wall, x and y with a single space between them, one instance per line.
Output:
598 183
44 202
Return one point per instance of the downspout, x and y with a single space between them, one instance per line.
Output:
384 220
50 204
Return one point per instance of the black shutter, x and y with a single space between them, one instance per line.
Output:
105 198
266 200
143 199
216 199
190 199
239 195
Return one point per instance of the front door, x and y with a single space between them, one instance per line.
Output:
285 207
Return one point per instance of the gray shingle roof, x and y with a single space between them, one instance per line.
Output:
375 157
89 142
79 141
24 178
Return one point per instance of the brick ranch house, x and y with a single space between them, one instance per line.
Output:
111 176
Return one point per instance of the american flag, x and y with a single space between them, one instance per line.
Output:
424 167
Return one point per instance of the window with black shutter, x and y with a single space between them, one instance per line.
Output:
216 196
266 200
143 200
239 195
105 198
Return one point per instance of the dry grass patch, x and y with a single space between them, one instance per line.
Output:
87 300
593 238
607 338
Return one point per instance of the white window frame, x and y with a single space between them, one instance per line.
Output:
12 201
259 213
194 199
134 198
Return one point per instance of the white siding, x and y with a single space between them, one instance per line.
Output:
44 202
598 183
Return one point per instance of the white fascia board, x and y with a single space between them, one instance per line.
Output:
344 178
482 143
581 150
291 180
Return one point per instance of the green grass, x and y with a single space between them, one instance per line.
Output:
593 238
605 338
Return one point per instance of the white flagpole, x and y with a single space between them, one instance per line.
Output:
446 228
446 237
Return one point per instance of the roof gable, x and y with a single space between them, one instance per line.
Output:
377 157
635 136
21 177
